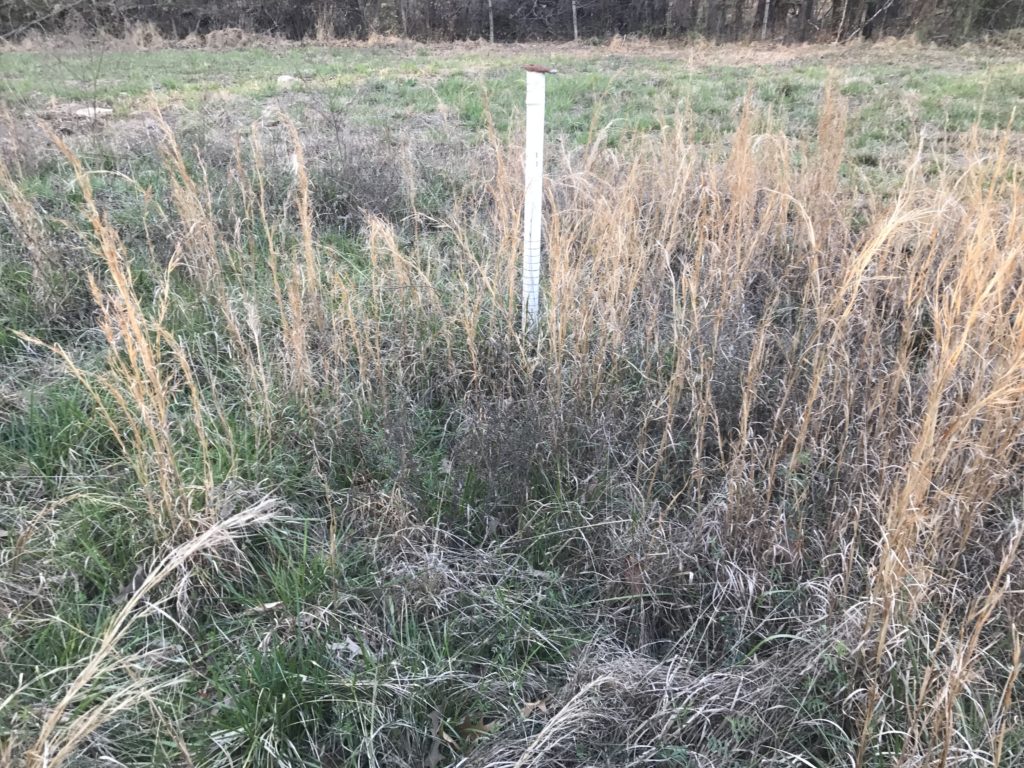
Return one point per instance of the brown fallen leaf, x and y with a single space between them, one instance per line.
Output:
533 706
470 730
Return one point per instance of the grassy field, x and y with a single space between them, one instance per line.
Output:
282 482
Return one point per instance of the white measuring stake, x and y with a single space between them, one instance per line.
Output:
533 207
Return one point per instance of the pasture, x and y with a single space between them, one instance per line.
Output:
283 482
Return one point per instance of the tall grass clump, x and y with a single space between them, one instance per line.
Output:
752 495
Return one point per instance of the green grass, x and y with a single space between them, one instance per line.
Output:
890 92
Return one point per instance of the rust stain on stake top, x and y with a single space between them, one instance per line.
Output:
541 70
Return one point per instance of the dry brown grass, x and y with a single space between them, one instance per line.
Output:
742 380
879 365
60 735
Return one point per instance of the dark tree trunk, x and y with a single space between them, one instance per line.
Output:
758 17
888 17
768 14
870 17
692 14
836 16
716 10
806 19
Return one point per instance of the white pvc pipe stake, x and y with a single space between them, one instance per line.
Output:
533 207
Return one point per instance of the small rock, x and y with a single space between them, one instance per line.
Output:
93 113
286 82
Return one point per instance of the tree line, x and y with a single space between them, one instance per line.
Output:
519 20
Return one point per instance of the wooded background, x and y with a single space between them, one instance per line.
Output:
512 20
